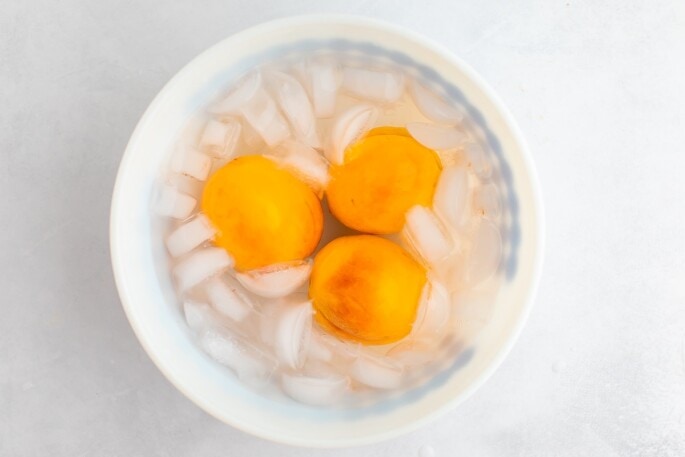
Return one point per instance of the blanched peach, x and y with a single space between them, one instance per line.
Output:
365 288
383 175
263 214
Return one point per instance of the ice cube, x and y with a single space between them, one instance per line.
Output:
345 352
172 203
472 312
297 108
186 185
277 280
450 271
486 202
267 320
320 347
249 362
412 354
252 138
485 254
219 138
320 369
424 232
323 79
478 160
432 106
263 115
191 162
303 161
189 236
452 157
437 137
250 100
198 315
227 298
317 391
433 313
293 333
379 86
382 373
239 96
451 195
347 128
328 349
200 265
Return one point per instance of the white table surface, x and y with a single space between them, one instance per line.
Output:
598 88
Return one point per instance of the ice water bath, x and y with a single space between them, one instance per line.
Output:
333 228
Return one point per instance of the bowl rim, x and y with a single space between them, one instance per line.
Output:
449 57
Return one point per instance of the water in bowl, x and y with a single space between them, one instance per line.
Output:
304 114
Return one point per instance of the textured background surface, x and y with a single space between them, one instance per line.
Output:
597 88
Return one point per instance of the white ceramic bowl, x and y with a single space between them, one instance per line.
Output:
149 300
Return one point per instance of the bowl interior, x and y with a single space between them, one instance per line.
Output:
152 307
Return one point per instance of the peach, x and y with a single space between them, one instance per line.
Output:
263 214
383 175
365 288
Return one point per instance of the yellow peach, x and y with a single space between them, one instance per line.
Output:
262 213
365 288
383 175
